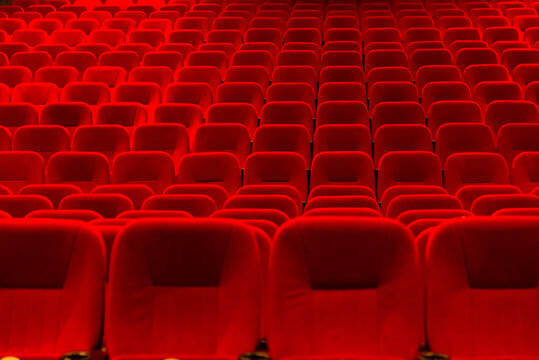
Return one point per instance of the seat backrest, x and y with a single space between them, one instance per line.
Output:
161 75
170 138
409 216
46 265
283 203
35 93
83 169
406 202
430 73
198 205
474 168
442 91
450 111
388 91
525 171
290 137
461 286
302 261
274 216
80 60
489 91
288 112
241 92
145 93
152 168
189 115
107 205
501 112
20 168
339 91
219 168
468 193
18 206
82 215
110 75
516 138
291 92
194 261
217 193
54 192
342 112
189 93
91 93
342 137
109 139
282 167
137 193
401 137
461 137
233 138
488 204
43 139
408 168
342 168
342 201
15 115
58 75
67 114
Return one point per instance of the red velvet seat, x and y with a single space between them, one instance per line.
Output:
283 203
289 137
457 280
474 168
36 93
198 205
233 138
18 206
342 168
152 168
107 205
170 138
110 75
58 75
288 112
408 168
303 244
189 93
241 92
285 168
462 137
501 112
525 171
82 215
218 168
79 266
453 111
345 201
42 139
404 203
20 168
80 60
401 137
85 170
222 249
468 193
91 93
276 217
54 192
